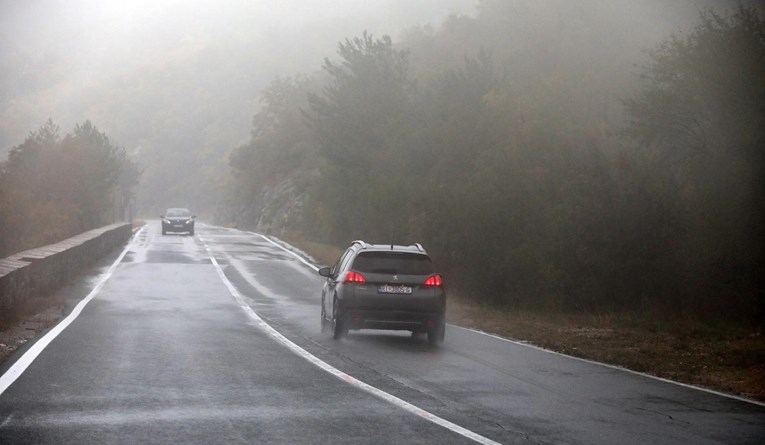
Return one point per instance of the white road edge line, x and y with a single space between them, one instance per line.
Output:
18 368
519 343
274 334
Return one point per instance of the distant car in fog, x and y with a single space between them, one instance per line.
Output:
375 286
178 220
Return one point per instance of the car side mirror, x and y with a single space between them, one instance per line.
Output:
325 272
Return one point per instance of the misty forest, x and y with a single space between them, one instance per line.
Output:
547 158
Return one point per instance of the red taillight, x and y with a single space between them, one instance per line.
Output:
354 277
434 281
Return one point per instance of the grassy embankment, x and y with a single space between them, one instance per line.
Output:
717 356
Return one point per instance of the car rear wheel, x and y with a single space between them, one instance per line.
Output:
339 329
436 333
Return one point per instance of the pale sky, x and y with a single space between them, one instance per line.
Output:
56 53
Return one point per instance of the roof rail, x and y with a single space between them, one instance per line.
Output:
419 247
360 242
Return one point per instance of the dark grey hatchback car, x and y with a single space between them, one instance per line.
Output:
178 220
375 286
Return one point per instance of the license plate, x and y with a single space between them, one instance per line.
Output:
391 289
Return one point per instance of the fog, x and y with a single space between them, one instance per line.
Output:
611 149
172 76
603 159
181 79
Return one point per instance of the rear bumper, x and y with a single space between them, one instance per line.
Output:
392 320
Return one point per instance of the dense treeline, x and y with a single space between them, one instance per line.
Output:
535 178
54 187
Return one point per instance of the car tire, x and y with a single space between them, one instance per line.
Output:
191 233
164 232
436 334
339 330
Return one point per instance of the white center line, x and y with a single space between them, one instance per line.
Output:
619 368
274 334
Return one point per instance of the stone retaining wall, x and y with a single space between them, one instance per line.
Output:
37 272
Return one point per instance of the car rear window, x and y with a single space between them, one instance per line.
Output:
394 263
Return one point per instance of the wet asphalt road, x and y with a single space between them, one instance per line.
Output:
165 354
